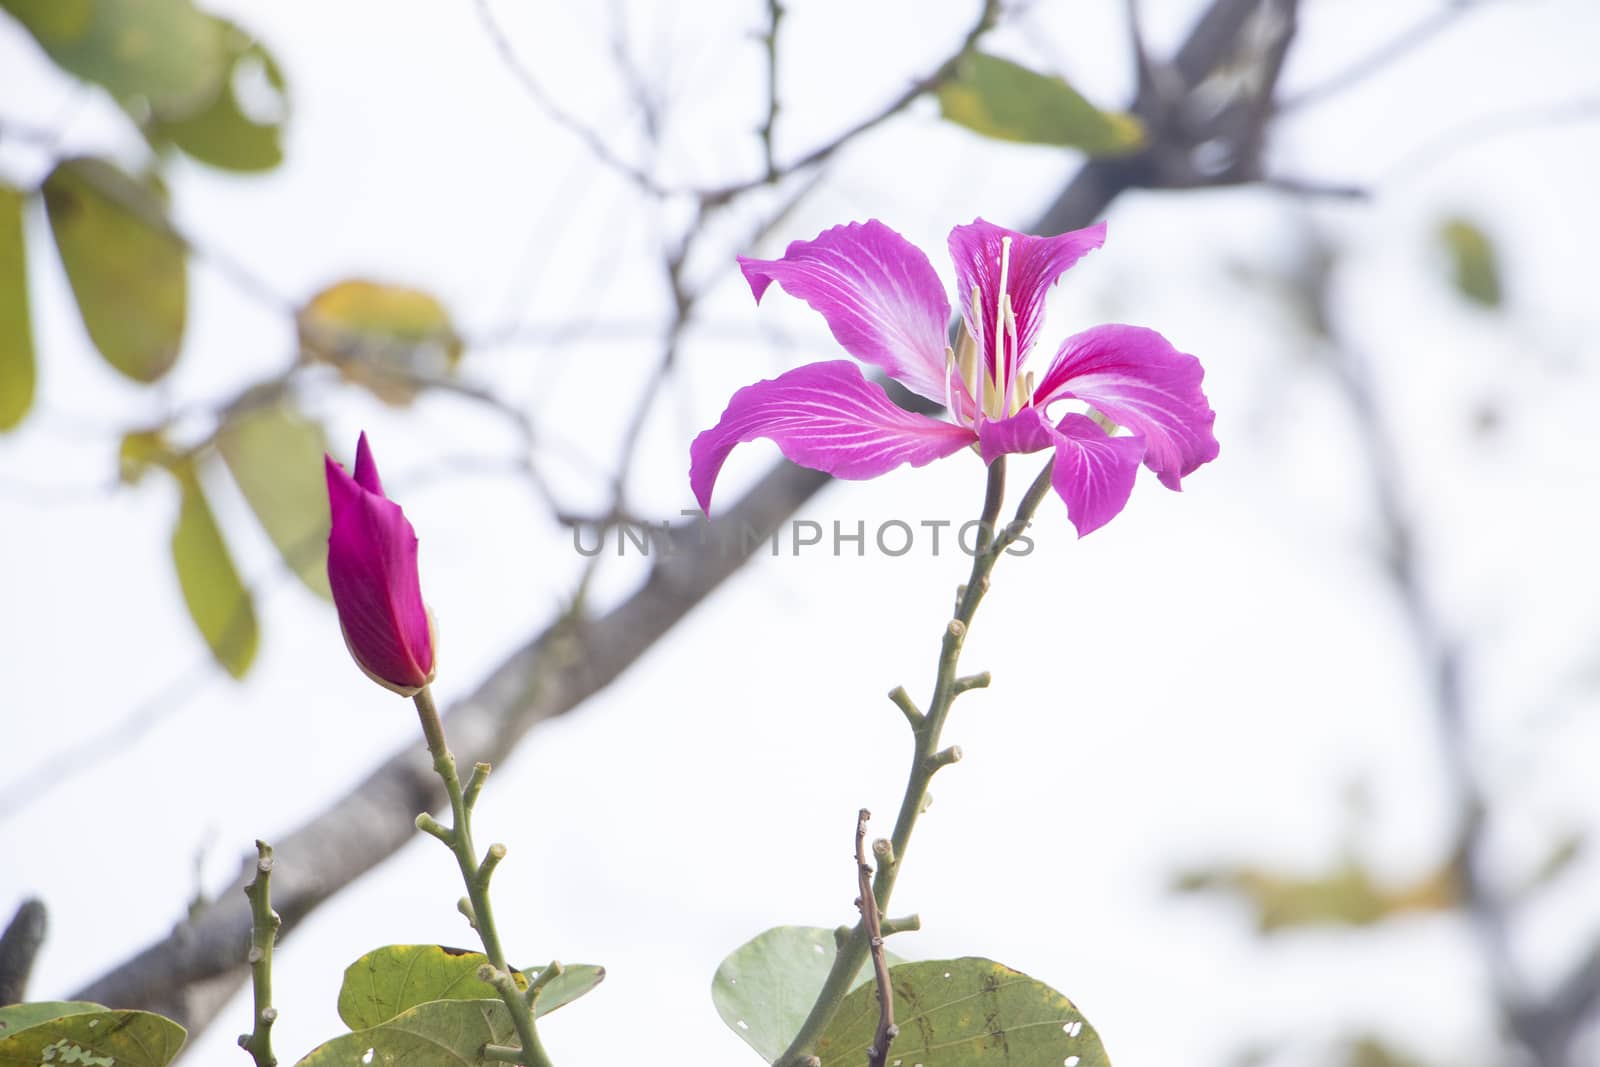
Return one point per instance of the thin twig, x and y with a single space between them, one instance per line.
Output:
590 139
1385 55
1470 134
769 42
878 1053
988 16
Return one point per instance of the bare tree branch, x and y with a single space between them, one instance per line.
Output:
19 947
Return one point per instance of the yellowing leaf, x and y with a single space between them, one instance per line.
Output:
275 455
1474 267
387 338
1002 100
127 274
219 603
164 51
1347 894
17 372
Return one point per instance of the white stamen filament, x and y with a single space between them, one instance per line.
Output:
1002 316
972 375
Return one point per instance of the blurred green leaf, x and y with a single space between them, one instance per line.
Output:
164 51
142 450
382 337
437 1033
97 1038
18 375
1348 894
127 273
1370 1051
1474 266
764 989
387 982
15 1018
219 603
275 455
225 133
1002 100
967 1012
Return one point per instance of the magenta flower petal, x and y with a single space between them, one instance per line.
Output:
1093 472
1137 379
372 569
1035 264
825 416
1026 431
367 468
881 297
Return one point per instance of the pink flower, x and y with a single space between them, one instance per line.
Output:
372 567
886 306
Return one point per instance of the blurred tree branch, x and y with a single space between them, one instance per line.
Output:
1546 1026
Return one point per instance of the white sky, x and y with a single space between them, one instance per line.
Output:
1202 680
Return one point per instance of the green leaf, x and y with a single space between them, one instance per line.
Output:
98 1038
964 1013
17 373
164 51
275 455
439 1033
382 337
1474 267
218 601
765 988
389 981
225 133
999 99
127 272
15 1018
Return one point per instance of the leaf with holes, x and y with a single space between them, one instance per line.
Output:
127 272
241 128
386 338
968 1012
1474 267
389 981
164 51
15 1018
438 1033
95 1038
220 605
17 372
766 986
275 455
1001 100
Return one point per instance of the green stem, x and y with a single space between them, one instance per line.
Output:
927 757
264 923
475 873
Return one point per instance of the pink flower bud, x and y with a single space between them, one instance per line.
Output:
372 567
